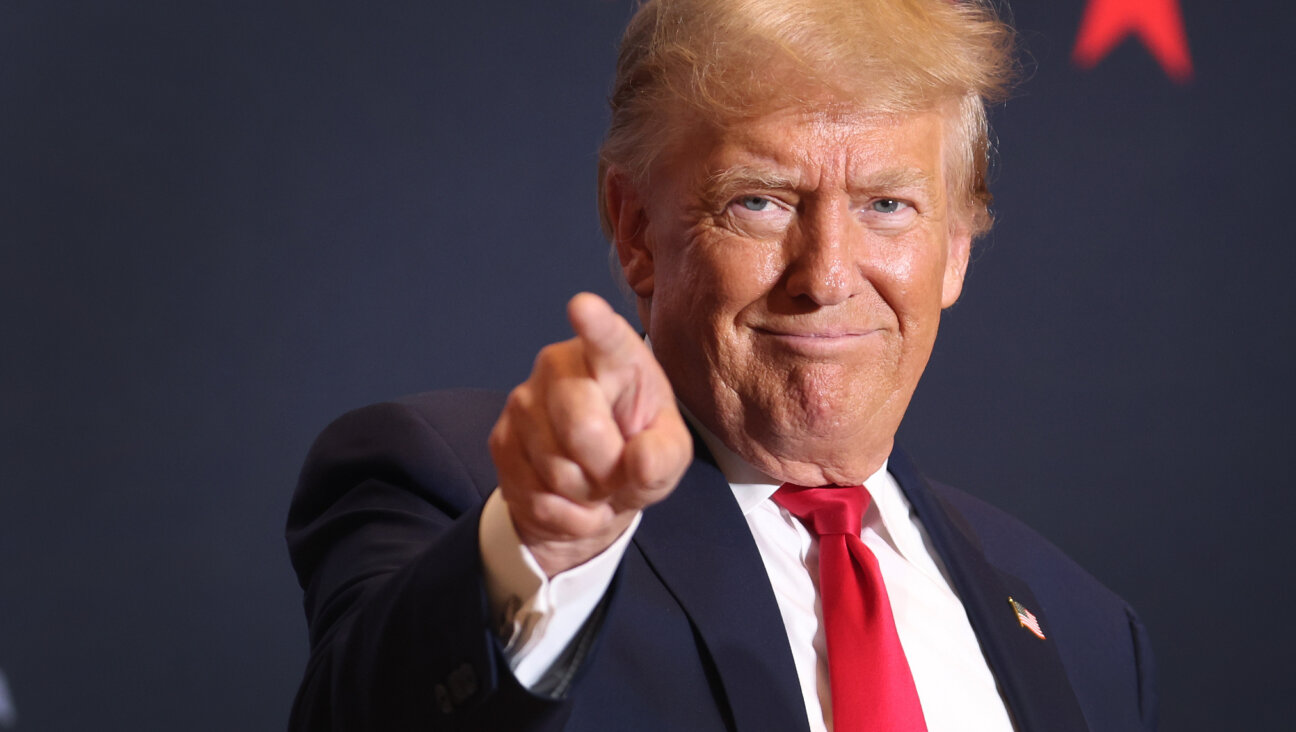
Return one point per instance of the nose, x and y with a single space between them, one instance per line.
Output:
822 254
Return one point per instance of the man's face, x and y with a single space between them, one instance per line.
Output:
791 271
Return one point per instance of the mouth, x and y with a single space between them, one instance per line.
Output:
826 333
820 341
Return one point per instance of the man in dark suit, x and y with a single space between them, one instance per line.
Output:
792 189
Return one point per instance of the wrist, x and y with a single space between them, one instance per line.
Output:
556 553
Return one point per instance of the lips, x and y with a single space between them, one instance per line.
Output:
828 332
820 343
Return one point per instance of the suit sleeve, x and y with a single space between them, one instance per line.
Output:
383 536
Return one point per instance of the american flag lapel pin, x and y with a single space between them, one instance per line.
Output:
1026 618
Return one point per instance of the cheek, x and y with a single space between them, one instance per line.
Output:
744 269
912 276
766 268
723 275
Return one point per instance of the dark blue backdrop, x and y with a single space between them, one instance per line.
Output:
223 223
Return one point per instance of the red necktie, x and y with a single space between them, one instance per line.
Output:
872 688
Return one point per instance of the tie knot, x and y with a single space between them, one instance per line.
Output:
830 509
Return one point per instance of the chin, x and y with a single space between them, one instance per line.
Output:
823 401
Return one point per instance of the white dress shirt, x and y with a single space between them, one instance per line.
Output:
538 617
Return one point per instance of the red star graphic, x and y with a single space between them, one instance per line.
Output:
1158 23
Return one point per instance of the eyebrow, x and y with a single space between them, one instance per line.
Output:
899 178
740 177
748 177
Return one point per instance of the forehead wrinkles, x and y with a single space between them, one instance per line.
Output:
780 156
807 151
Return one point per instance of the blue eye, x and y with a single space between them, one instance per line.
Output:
887 205
754 203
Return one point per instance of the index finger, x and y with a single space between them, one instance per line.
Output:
612 347
620 363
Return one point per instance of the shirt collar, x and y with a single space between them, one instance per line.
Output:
751 488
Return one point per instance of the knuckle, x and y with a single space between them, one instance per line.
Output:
544 511
550 358
519 400
561 475
503 445
581 420
543 357
590 522
644 472
498 440
635 469
586 432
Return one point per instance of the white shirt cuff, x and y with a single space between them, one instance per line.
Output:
535 616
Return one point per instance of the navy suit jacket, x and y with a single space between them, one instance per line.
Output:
383 536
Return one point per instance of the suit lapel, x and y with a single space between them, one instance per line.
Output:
1029 671
699 545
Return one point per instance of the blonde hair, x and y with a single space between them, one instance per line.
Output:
685 62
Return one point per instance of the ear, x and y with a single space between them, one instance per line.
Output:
956 263
629 224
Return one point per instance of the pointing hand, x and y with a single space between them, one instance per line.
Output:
589 439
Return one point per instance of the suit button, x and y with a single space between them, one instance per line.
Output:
463 684
442 696
459 686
